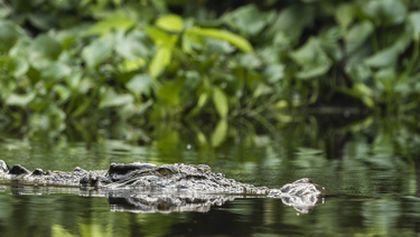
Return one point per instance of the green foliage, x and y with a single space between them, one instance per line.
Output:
138 61
312 59
171 23
227 36
220 102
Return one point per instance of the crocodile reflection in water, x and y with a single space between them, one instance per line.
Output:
145 187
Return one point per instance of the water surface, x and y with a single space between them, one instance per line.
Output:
371 172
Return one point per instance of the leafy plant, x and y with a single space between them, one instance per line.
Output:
141 62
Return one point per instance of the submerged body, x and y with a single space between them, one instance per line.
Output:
173 187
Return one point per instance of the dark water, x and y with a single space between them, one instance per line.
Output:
370 169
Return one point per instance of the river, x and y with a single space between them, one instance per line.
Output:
370 169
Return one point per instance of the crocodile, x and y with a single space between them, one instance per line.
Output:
146 187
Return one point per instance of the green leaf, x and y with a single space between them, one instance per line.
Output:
201 102
250 61
43 21
386 79
140 84
160 61
219 134
161 38
331 42
357 35
414 19
97 52
262 89
362 92
389 56
247 19
19 53
219 46
119 22
43 50
131 65
191 41
20 100
384 58
386 12
234 39
171 23
82 108
169 94
57 117
132 46
21 66
112 99
274 72
220 102
291 22
312 59
63 92
9 34
345 14
5 12
56 71
359 71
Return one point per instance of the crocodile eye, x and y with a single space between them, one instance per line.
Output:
164 171
286 188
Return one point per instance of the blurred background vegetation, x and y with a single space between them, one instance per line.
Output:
145 62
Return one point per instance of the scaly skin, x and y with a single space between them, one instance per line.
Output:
175 187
